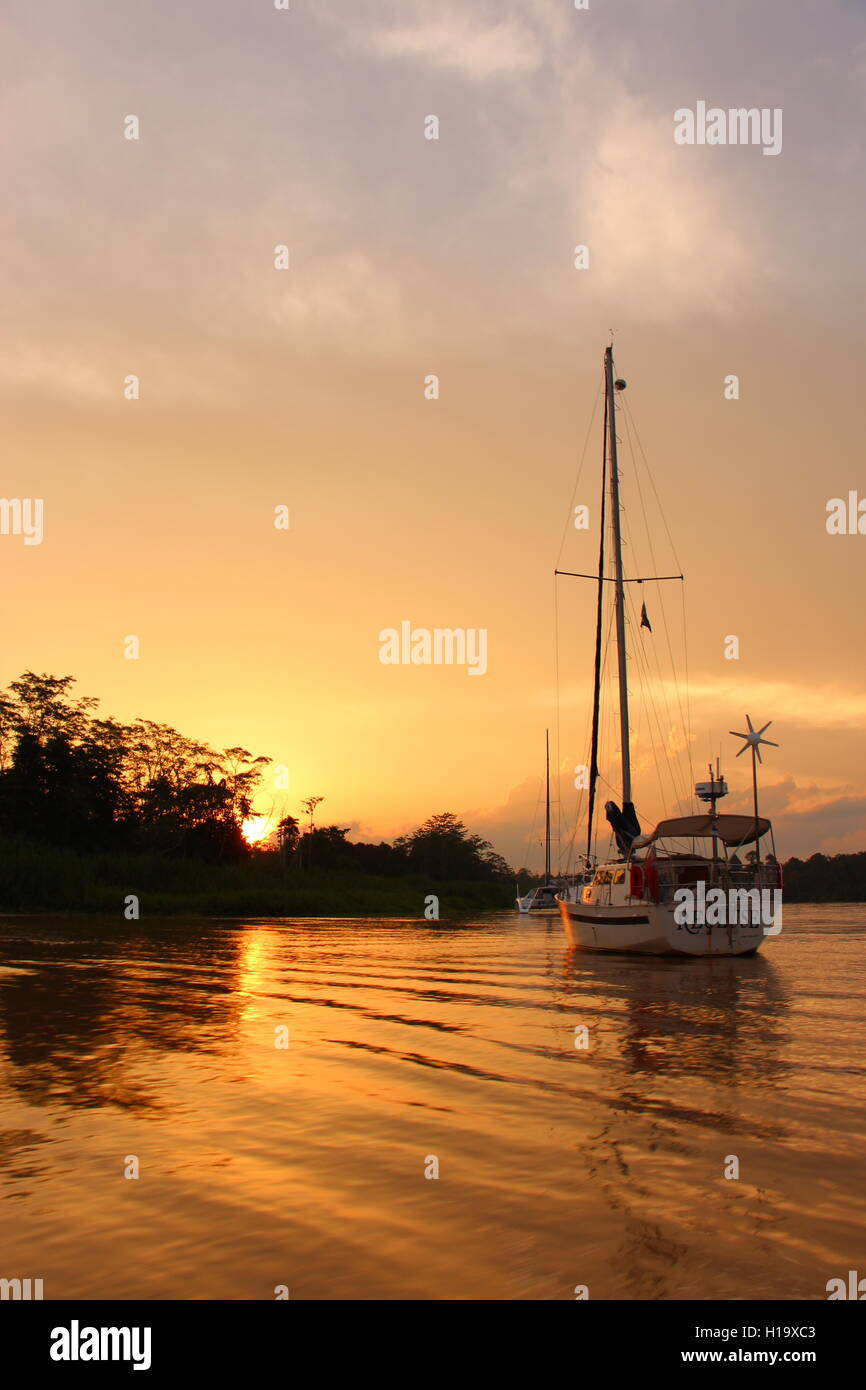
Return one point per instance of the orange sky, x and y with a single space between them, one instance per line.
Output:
410 257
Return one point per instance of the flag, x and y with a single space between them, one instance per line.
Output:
644 620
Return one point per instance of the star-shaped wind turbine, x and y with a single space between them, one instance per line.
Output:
755 737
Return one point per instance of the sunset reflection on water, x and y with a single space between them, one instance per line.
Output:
305 1165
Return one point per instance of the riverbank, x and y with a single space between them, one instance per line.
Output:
36 878
39 878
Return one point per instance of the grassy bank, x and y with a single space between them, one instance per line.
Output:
37 878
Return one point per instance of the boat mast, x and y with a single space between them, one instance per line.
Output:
547 826
620 588
599 614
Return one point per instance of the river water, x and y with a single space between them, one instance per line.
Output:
412 1045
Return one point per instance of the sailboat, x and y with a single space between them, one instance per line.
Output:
682 888
543 898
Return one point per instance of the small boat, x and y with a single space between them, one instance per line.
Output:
543 898
683 888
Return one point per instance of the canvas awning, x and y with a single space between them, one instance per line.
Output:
731 830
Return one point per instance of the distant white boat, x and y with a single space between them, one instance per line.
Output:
637 901
543 898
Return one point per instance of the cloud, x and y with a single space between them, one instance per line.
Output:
656 223
476 49
93 372
346 296
808 819
62 371
814 705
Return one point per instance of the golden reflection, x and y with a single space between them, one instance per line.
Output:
252 969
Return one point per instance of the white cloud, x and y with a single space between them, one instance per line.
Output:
346 298
63 372
657 224
476 49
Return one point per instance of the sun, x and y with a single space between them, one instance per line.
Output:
255 828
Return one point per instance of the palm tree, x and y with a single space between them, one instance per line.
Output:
309 806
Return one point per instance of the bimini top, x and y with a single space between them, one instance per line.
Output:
731 830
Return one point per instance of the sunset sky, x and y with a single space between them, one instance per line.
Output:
454 257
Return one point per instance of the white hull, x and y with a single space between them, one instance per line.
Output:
650 929
539 900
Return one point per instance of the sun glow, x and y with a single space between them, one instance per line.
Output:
255 828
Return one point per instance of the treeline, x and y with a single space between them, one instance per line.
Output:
837 878
75 781
440 850
72 780
41 878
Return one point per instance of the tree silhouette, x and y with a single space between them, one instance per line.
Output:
309 806
288 836
442 848
71 779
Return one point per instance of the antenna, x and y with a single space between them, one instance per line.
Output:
714 789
